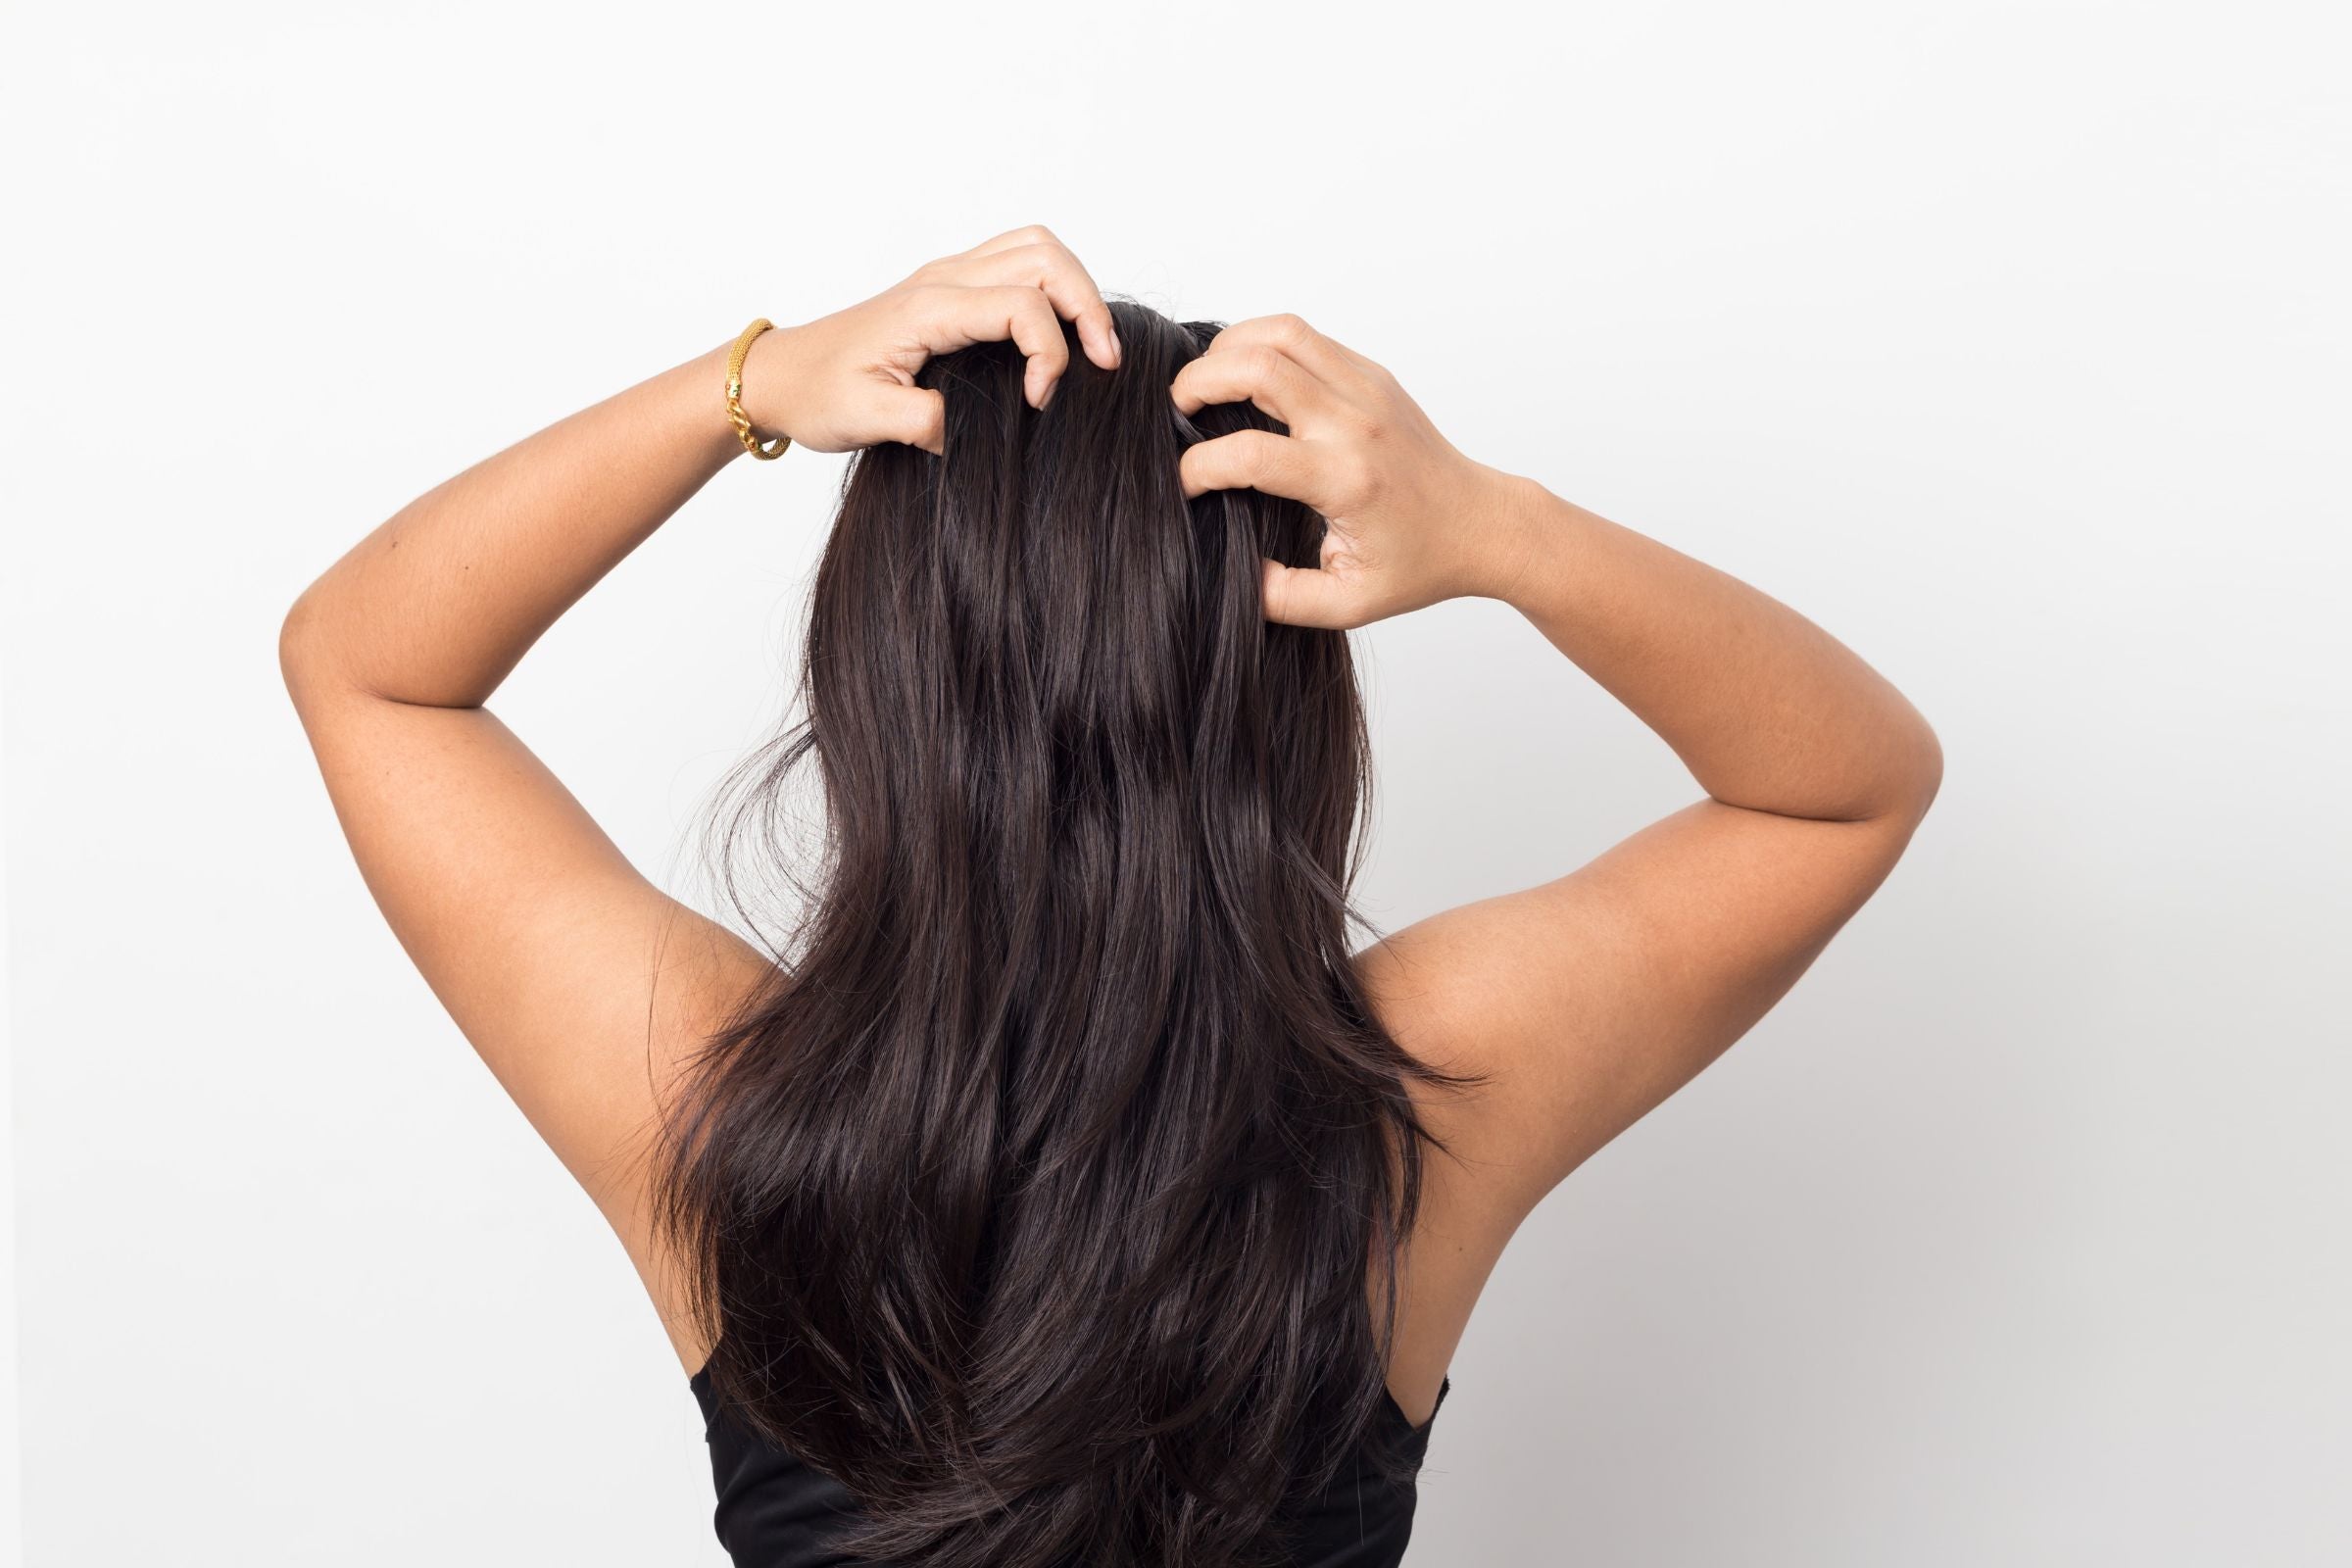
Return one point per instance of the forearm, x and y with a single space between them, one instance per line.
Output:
1767 711
438 603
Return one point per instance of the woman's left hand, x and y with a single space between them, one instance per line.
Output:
847 380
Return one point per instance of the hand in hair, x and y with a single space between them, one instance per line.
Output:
847 380
1411 519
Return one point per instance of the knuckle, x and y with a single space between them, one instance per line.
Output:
1289 327
1259 361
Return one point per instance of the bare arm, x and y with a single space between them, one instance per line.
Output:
579 983
1768 711
1592 996
436 606
520 913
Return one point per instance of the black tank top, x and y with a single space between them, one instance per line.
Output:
776 1512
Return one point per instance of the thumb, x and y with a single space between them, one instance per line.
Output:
909 413
1302 596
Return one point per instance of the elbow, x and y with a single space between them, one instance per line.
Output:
299 659
292 633
1921 775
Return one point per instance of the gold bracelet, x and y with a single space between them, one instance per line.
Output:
735 414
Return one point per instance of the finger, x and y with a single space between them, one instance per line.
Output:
1026 317
1304 595
1026 235
1052 267
912 415
1253 372
1257 459
1322 356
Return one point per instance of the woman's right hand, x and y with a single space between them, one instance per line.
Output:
1412 520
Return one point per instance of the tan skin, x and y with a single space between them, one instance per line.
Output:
1588 997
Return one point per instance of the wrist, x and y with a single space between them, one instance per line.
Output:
765 381
1514 516
701 404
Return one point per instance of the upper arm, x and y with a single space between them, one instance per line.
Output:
1592 998
580 983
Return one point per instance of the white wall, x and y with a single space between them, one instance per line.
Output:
2007 341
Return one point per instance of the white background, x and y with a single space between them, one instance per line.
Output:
2009 342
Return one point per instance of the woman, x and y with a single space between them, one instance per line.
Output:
1064 1191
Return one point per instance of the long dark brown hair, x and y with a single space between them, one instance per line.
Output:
1051 1196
